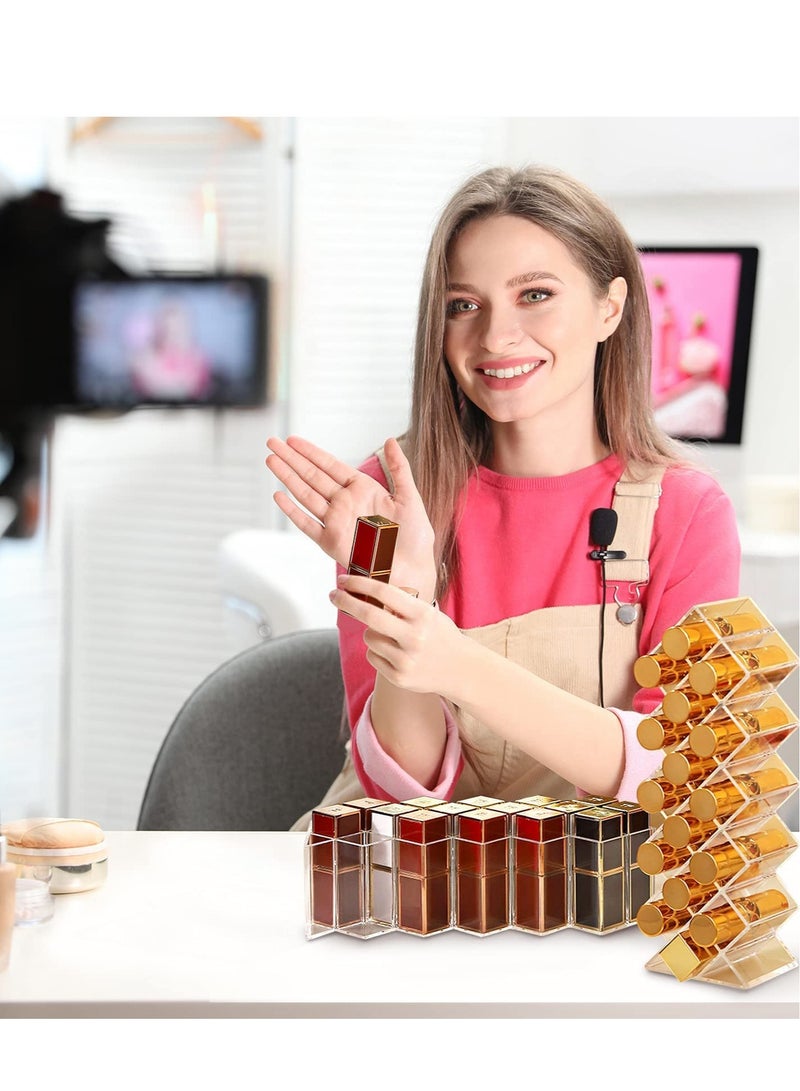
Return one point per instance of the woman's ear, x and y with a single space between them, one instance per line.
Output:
612 307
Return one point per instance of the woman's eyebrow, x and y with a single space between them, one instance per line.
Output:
515 282
526 278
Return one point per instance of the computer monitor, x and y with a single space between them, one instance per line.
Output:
701 304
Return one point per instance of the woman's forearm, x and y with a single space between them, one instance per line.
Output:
410 728
578 740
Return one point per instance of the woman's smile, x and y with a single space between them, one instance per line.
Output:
508 374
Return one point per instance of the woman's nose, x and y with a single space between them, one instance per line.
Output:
501 330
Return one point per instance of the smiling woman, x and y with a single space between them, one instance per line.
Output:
530 412
533 335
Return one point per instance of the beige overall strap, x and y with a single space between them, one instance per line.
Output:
635 502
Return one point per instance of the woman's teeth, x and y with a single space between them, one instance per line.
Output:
509 372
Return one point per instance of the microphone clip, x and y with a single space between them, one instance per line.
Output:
607 555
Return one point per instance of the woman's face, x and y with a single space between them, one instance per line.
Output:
523 323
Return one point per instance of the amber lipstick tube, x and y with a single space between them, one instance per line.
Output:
423 872
539 855
682 768
721 737
684 892
372 550
335 861
482 871
682 830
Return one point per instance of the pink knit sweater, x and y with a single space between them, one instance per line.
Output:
510 521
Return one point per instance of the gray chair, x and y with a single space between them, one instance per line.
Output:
257 744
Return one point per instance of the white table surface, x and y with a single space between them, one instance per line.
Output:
212 924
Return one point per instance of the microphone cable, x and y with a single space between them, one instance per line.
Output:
603 592
602 528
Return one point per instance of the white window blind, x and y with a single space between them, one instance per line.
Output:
142 502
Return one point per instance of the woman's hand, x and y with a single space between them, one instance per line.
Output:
326 496
411 643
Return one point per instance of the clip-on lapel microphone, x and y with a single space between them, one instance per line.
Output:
602 528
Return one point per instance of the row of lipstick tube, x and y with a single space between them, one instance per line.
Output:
479 865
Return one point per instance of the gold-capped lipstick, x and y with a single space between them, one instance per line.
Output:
482 870
658 794
684 892
655 918
681 830
697 637
372 551
722 673
717 927
651 671
725 798
655 857
423 872
682 768
685 706
659 733
722 736
715 865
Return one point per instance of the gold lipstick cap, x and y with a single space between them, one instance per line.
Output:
650 858
680 706
650 796
647 671
703 740
703 678
676 892
650 733
706 867
703 804
707 929
677 641
654 919
679 830
677 768
649 920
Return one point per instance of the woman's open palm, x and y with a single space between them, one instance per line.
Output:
325 497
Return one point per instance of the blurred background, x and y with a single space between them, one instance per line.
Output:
175 289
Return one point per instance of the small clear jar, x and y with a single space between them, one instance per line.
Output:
33 904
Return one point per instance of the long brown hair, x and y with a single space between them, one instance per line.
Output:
448 436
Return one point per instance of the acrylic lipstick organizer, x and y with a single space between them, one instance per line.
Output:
717 840
478 865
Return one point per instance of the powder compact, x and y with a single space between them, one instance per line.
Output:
69 854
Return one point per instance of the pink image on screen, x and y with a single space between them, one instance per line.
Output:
693 301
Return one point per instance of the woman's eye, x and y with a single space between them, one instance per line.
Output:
536 295
460 306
